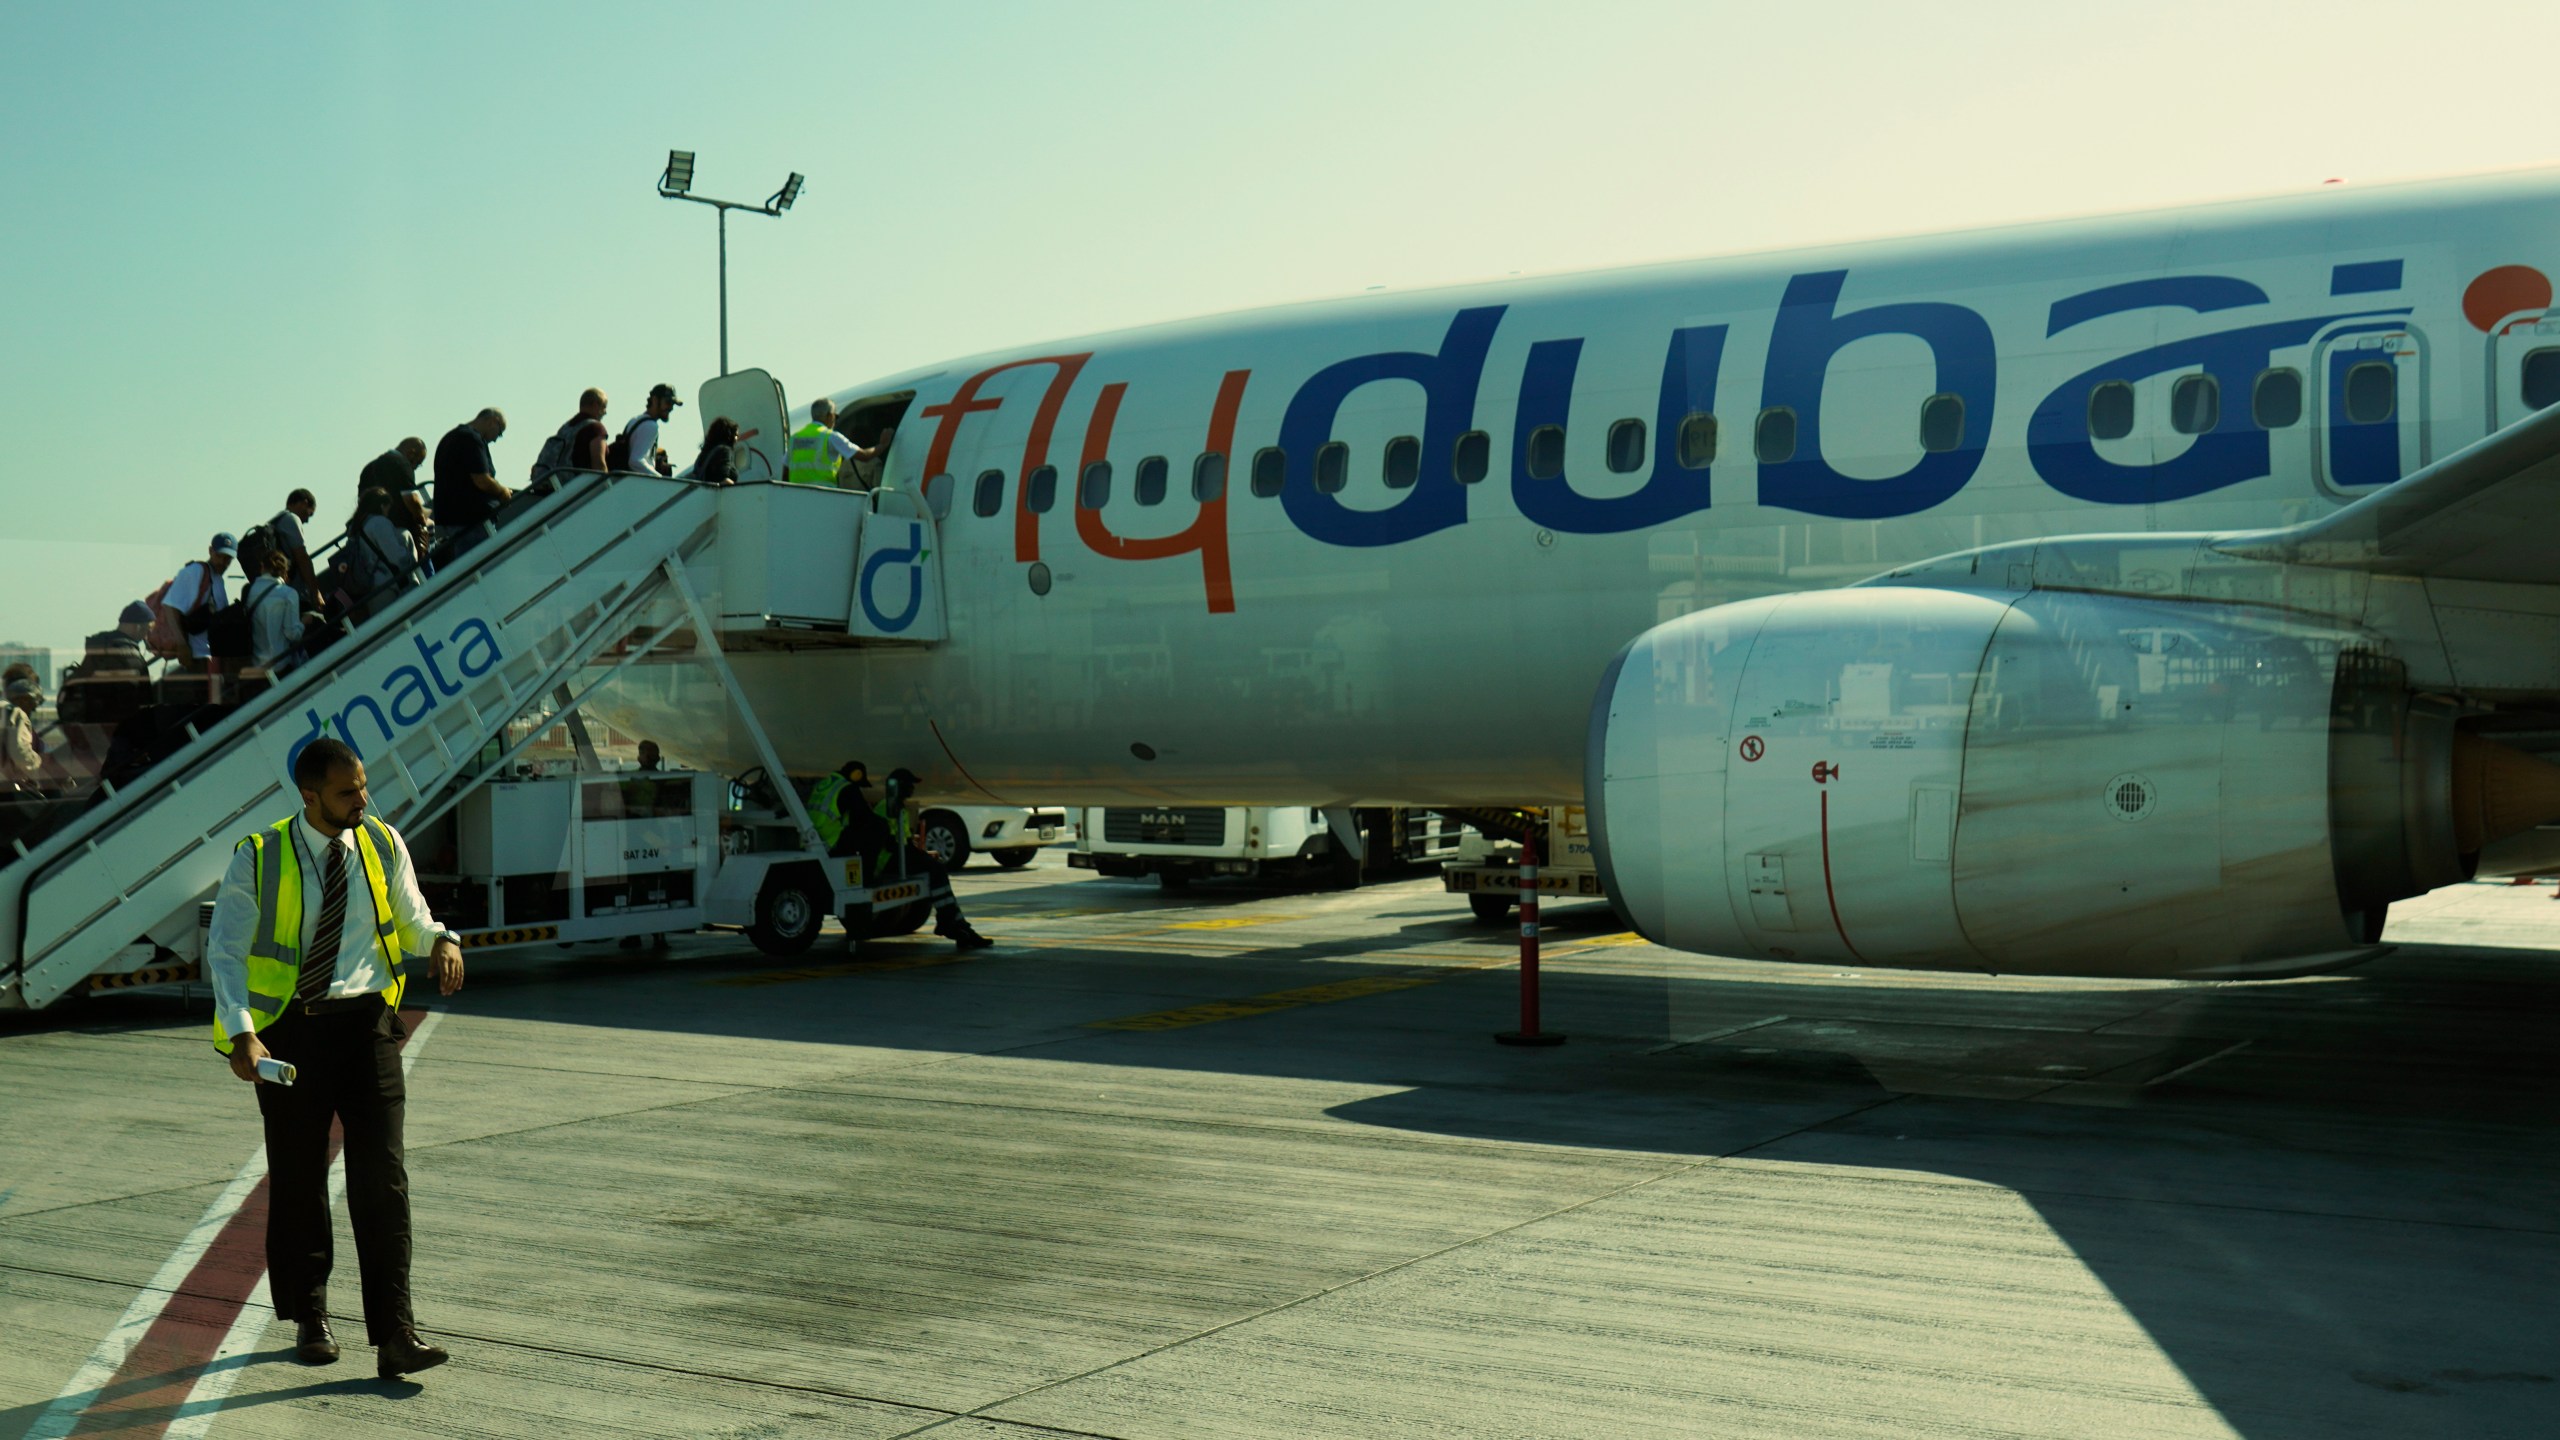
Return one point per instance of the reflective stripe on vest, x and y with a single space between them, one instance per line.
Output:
811 460
823 799
275 947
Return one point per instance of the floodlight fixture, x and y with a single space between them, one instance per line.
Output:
676 183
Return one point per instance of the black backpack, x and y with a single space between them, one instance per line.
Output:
226 635
256 544
617 456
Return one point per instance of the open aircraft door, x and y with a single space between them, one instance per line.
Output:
754 400
2369 384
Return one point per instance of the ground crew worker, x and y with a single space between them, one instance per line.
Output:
852 825
818 448
899 831
308 951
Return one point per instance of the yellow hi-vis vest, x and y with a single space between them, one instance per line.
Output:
275 949
901 830
811 460
824 797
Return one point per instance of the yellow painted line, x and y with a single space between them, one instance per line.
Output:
1237 922
1216 1010
836 970
1624 937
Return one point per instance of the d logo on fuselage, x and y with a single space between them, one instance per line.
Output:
910 559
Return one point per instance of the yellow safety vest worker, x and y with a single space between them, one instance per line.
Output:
275 948
811 460
823 800
899 828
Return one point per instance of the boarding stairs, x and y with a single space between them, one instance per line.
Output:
597 573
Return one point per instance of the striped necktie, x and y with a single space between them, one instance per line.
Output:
320 962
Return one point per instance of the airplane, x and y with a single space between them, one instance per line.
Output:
2157 595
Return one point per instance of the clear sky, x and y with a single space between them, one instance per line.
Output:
247 246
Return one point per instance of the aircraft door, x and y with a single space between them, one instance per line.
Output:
2371 388
2526 361
754 400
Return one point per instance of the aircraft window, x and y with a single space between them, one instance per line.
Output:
1546 452
1270 470
1044 490
2276 400
1941 423
1472 458
1093 488
1697 442
1333 467
990 496
2195 404
1209 477
2541 378
1775 443
2371 389
2111 411
1626 446
1403 463
937 495
1152 473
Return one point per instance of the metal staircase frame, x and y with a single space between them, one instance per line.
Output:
153 850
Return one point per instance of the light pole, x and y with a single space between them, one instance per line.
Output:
677 184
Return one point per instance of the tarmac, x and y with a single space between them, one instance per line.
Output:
1245 1162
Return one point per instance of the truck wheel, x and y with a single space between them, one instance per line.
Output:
788 913
945 839
1013 859
1489 908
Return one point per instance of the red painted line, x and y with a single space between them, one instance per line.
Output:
1827 893
161 1372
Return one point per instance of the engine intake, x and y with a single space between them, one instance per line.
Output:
2041 783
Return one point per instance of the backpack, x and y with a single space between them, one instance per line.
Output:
71 700
167 640
256 544
555 451
227 635
617 456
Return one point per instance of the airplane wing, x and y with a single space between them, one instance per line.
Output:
2486 512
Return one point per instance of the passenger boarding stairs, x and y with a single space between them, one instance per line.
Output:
600 571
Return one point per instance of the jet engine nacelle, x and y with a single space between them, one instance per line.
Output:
2040 783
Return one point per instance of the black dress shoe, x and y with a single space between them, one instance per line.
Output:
405 1352
312 1342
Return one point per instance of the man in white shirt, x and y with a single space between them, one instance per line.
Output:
193 595
819 452
308 952
640 455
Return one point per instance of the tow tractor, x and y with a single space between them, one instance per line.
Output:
627 855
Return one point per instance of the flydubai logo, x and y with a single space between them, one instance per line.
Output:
910 559
410 693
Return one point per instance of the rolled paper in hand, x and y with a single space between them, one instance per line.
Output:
275 1071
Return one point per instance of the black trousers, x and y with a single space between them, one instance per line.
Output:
350 1072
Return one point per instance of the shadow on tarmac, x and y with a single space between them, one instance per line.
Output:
2328 1201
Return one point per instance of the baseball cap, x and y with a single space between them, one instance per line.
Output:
664 392
223 544
135 613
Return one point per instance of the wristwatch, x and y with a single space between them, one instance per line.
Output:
444 935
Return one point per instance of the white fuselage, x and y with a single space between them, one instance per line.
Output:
1384 630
